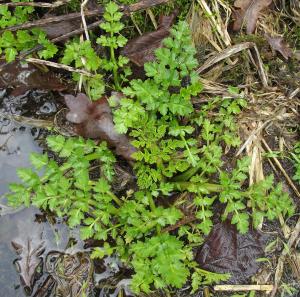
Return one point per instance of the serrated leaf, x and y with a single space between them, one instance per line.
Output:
38 160
98 253
56 143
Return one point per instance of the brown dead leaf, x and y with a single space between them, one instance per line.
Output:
94 120
141 49
30 252
247 12
227 251
278 44
54 30
64 27
23 77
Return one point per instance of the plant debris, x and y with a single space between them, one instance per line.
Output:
30 261
278 44
141 49
94 120
73 274
247 13
227 251
23 77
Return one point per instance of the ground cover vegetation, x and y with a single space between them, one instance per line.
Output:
179 148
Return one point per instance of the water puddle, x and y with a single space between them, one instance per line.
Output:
17 141
26 227
32 250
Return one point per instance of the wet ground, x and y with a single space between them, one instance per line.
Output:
29 229
17 141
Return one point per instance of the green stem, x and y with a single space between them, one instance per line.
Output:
114 227
151 203
115 69
211 188
115 198
96 220
187 174
153 208
95 204
193 161
111 194
92 156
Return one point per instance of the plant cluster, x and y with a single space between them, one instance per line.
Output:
19 16
11 44
83 55
179 150
80 54
172 156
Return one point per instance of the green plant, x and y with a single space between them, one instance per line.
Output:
114 40
152 115
204 277
82 55
11 44
19 16
179 150
66 188
159 260
142 20
172 156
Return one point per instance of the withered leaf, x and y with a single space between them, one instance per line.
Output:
279 45
30 252
227 251
141 49
248 12
54 30
94 120
26 76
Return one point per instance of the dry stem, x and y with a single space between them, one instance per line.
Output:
59 66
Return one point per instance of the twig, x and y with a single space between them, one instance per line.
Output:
236 288
75 32
180 223
216 23
280 264
206 292
232 50
152 17
290 182
38 123
254 133
59 66
127 9
135 24
83 4
83 60
140 5
37 4
261 69
55 19
46 287
252 136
